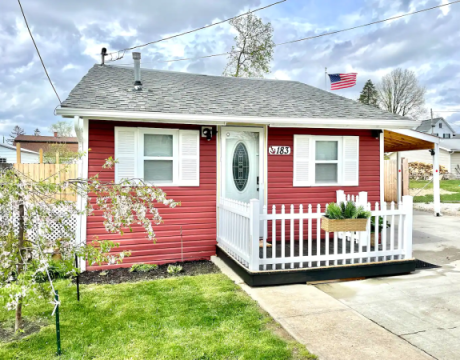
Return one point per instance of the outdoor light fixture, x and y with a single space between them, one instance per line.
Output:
208 132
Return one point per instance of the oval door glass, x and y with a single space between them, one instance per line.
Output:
240 166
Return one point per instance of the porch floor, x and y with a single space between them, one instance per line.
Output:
350 247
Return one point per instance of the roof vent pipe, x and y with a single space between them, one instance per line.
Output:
137 71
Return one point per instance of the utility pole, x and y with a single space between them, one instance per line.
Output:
325 78
432 126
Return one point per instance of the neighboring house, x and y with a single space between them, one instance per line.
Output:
438 127
35 143
449 155
207 138
8 155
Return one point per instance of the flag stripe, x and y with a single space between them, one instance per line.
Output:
342 81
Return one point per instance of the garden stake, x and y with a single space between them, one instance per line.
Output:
181 245
78 278
58 331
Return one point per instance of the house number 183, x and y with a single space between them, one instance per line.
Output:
279 150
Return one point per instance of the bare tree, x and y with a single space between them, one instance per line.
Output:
17 130
399 92
253 50
63 128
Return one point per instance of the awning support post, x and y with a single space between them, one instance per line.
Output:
436 182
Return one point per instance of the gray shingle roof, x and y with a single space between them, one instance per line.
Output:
425 126
110 88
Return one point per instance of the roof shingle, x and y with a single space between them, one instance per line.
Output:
111 88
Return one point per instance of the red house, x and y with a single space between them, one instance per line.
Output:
229 149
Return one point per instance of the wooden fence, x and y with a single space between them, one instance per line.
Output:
391 179
54 173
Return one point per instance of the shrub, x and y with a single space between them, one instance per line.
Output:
347 210
143 267
174 269
57 270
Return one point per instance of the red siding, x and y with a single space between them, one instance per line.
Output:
196 215
280 170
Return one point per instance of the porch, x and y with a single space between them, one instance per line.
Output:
283 245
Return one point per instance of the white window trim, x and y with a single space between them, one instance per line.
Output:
312 162
339 160
174 158
138 157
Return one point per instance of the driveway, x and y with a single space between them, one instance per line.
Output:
422 308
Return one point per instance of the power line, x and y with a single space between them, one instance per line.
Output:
321 35
38 52
190 31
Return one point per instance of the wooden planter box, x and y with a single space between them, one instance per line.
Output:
345 225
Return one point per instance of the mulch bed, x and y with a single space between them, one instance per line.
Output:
117 276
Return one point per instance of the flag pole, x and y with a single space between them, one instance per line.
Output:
325 78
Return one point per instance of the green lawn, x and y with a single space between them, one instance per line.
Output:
449 185
196 317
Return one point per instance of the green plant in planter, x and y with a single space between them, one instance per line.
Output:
346 210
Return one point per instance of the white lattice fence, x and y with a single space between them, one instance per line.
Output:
59 229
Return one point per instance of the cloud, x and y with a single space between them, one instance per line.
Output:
70 35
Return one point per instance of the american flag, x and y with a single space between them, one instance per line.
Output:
342 81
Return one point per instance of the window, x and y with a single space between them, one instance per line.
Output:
436 134
240 166
164 157
326 160
158 158
440 125
446 136
2 160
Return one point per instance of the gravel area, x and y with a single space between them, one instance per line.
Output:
452 209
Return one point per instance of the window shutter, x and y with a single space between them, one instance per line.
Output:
189 158
350 160
302 160
125 153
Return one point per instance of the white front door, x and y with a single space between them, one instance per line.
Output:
242 164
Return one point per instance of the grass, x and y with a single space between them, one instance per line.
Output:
449 185
199 317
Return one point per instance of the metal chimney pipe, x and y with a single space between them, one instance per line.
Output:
137 70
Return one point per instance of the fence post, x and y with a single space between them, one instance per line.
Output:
408 202
340 196
363 240
254 237
18 153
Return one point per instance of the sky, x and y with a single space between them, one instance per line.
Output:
70 35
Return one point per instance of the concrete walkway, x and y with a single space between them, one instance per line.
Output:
327 327
436 239
422 308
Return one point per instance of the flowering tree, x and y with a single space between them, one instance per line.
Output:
31 211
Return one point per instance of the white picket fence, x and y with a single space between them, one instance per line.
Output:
292 237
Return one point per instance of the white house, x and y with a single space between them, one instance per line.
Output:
437 127
8 155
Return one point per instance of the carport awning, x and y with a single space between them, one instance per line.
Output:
394 141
